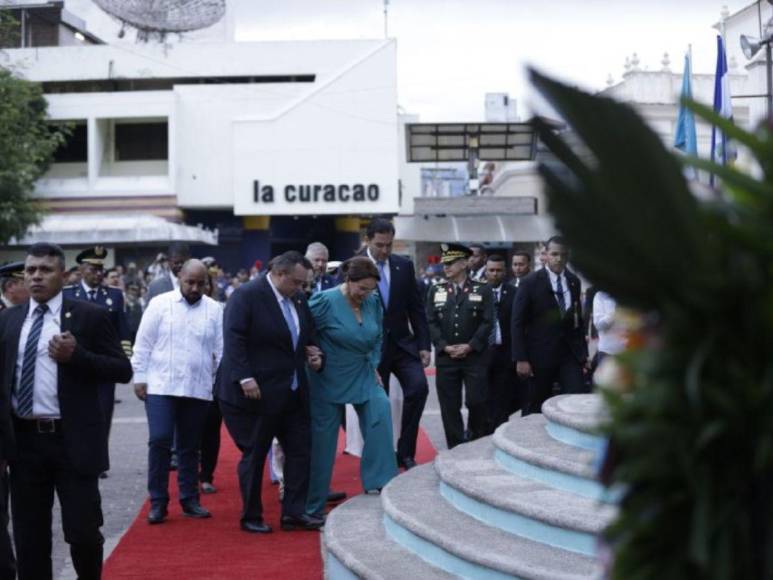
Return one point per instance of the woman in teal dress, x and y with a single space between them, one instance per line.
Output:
349 327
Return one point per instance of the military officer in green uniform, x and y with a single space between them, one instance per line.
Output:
460 313
91 263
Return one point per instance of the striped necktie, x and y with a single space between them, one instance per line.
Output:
25 392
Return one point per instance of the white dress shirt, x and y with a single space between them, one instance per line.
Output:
497 299
387 267
565 286
45 397
88 290
611 337
179 346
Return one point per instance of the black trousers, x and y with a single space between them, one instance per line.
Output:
506 391
7 561
40 470
410 372
107 403
566 371
253 434
450 378
210 443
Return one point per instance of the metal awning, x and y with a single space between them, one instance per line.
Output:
485 228
112 229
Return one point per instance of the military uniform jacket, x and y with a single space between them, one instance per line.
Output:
464 317
110 299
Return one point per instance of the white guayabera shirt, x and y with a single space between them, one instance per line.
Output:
179 346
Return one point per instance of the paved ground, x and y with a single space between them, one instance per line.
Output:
124 492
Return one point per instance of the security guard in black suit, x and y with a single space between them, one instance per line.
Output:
91 263
460 314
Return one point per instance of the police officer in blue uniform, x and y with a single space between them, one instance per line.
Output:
91 265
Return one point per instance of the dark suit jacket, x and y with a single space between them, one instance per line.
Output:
405 319
504 311
257 344
539 332
327 280
98 359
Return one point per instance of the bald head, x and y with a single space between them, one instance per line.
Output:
193 280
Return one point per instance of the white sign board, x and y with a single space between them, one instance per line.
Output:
314 170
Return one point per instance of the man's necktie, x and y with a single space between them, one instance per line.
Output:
92 295
383 284
288 314
24 395
560 295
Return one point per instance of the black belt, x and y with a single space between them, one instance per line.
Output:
44 426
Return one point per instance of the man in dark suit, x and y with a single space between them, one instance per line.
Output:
520 267
548 331
406 345
178 254
263 391
318 255
54 354
504 395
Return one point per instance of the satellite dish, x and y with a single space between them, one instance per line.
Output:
160 17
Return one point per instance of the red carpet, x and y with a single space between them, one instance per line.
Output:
216 548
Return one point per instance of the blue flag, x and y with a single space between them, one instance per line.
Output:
720 146
685 138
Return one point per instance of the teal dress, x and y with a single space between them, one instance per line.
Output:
352 353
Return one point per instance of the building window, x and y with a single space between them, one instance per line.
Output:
142 142
75 147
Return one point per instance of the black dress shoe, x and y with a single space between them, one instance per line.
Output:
255 526
336 496
406 462
157 514
301 522
193 509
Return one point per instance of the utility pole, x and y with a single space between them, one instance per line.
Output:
386 18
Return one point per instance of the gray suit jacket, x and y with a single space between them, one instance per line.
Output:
160 285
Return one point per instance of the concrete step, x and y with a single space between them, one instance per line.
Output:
478 485
524 447
355 545
420 519
575 419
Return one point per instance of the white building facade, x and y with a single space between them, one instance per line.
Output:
273 144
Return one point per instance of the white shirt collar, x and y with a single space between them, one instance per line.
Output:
87 288
372 259
54 305
554 276
278 295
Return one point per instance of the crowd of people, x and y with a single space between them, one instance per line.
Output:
277 356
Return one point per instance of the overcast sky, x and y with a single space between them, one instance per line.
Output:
452 52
